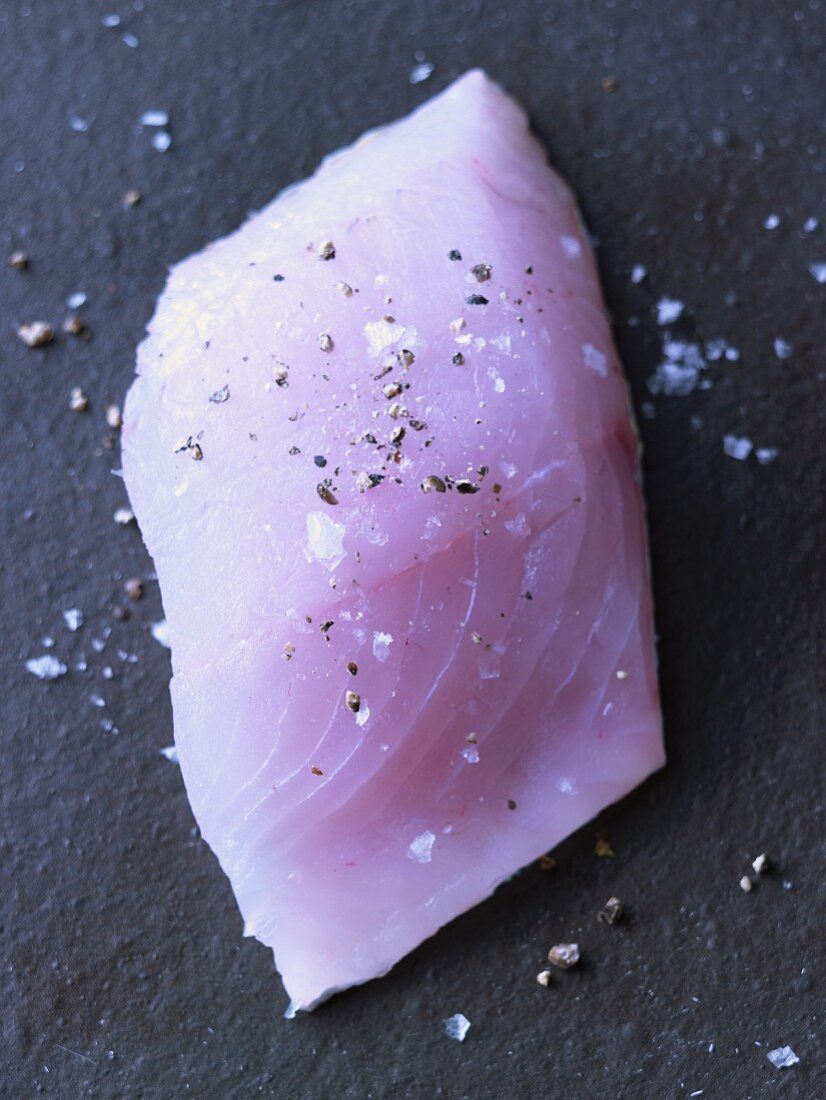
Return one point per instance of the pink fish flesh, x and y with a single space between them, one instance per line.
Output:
380 448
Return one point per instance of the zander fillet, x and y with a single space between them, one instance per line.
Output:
380 449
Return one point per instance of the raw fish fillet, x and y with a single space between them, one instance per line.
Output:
380 449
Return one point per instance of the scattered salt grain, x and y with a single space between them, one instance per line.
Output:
381 645
746 885
638 273
471 755
98 645
783 1058
421 848
161 140
421 72
818 272
130 41
570 246
544 978
111 20
170 753
761 864
76 300
765 455
154 118
737 446
457 1027
73 618
771 222
79 125
595 360
782 348
97 700
46 667
564 955
48 642
680 372
810 225
669 310
124 516
160 632
363 715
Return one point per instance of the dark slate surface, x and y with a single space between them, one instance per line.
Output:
124 972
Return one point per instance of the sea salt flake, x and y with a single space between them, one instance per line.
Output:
76 300
363 715
160 632
421 72
782 348
471 755
737 446
818 272
97 700
73 618
570 246
154 118
79 125
457 1027
111 20
595 359
46 667
679 374
810 225
170 753
638 273
325 540
161 140
669 310
783 1057
129 40
765 455
381 645
771 222
421 848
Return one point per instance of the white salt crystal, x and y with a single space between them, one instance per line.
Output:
595 359
782 348
76 300
818 272
73 618
46 667
325 539
381 645
161 140
771 222
782 1058
638 273
111 20
170 753
124 516
421 72
810 225
97 700
154 118
570 246
765 455
363 714
668 310
421 848
737 446
130 41
457 1027
160 632
471 755
79 125
679 373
